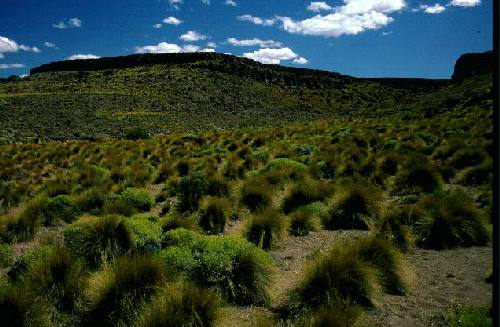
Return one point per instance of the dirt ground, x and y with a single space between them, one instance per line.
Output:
439 280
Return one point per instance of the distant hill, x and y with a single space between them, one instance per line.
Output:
198 91
470 64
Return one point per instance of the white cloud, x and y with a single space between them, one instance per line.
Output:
164 47
254 42
172 21
71 23
212 45
192 36
50 45
11 66
274 56
318 6
300 61
465 3
157 26
175 3
206 2
434 9
366 6
82 56
230 3
387 33
8 45
257 20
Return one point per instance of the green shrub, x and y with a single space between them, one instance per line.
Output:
451 220
238 270
265 228
255 196
61 207
174 221
191 189
217 186
301 223
117 205
6 257
416 175
213 215
180 305
138 198
355 206
469 316
137 133
98 239
91 200
127 283
146 232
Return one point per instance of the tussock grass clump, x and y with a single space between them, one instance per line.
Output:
180 305
6 255
255 195
352 272
174 221
61 207
213 215
338 315
302 222
417 174
18 308
451 220
238 270
469 316
479 175
117 292
190 189
467 157
91 200
265 228
355 206
22 226
98 239
303 193
56 277
394 226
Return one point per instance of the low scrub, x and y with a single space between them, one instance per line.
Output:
214 214
139 198
255 195
302 222
417 174
303 193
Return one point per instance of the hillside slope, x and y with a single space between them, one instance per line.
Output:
184 92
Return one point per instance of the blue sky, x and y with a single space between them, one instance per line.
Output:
371 38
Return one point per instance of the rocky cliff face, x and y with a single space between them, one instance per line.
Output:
473 64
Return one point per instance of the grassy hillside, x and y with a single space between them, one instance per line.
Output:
204 95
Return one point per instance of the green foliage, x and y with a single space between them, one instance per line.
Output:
6 257
19 309
467 157
301 223
303 193
213 215
469 316
139 198
239 271
265 228
190 189
451 220
137 133
417 174
61 207
98 239
180 305
146 231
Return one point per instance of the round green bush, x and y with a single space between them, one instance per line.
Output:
138 198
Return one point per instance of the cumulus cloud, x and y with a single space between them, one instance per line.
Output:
157 26
11 66
465 3
434 9
175 3
257 20
70 23
352 18
8 45
172 20
274 56
318 6
164 47
254 42
212 45
230 3
192 36
82 56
